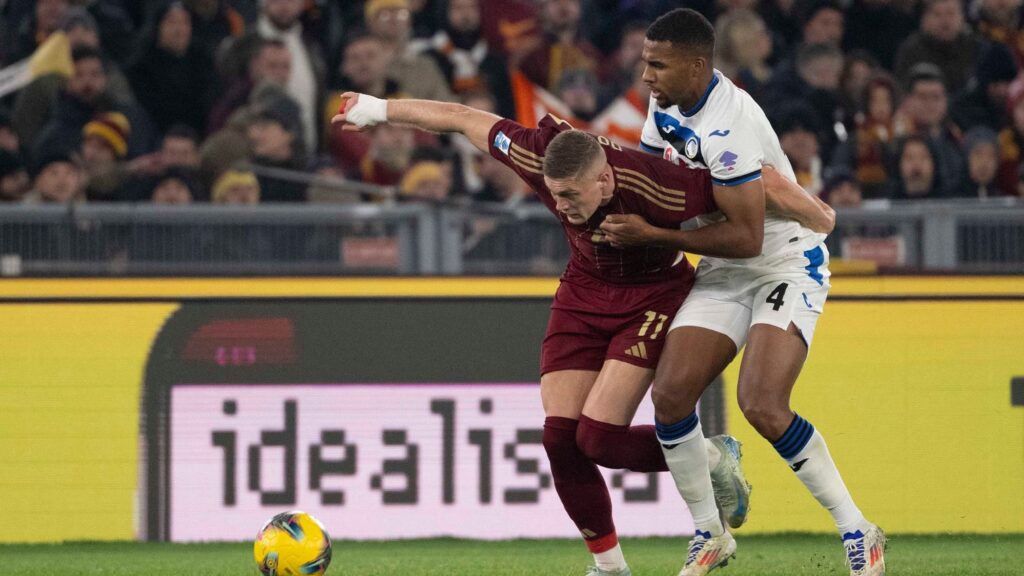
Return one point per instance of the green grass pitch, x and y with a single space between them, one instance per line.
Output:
782 555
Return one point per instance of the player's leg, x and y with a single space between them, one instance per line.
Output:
771 365
605 434
571 358
578 482
704 338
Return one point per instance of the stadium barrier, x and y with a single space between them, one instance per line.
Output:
193 409
421 239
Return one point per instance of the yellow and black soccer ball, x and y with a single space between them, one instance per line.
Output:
292 544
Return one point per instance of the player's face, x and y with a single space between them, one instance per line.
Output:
672 75
579 198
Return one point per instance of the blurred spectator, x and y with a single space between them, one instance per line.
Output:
56 179
563 48
213 21
916 171
425 180
180 148
35 103
981 146
388 158
500 183
821 22
468 154
274 138
816 83
943 40
103 150
280 19
9 139
623 120
84 95
172 76
1000 21
14 180
1011 141
511 27
858 68
417 74
364 69
267 61
578 90
742 48
781 18
877 26
621 70
842 190
464 58
34 30
1019 189
83 31
798 135
116 29
175 187
236 187
925 113
983 101
447 160
866 152
329 186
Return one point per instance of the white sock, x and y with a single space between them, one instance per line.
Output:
686 453
814 467
714 454
611 560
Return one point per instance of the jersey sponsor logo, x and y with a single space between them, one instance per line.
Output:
722 133
502 142
671 154
729 160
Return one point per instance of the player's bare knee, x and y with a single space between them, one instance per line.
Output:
770 420
671 405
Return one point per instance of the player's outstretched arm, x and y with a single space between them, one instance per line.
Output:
787 198
361 110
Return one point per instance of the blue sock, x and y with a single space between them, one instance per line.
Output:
795 438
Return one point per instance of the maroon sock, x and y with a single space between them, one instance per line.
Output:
634 448
579 484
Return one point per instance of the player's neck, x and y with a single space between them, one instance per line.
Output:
695 97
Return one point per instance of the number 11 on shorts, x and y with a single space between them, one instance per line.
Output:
653 316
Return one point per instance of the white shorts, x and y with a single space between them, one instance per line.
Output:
729 299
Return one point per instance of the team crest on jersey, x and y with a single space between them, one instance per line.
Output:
502 142
692 148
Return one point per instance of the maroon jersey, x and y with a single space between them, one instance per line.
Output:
664 194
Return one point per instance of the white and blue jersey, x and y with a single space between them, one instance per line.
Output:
728 134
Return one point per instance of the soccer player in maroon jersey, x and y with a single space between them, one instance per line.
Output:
607 323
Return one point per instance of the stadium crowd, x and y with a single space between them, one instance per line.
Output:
208 100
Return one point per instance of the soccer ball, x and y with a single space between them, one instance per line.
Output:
292 544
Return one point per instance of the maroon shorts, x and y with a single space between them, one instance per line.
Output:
592 321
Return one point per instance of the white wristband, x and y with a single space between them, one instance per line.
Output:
368 111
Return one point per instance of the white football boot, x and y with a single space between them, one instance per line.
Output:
865 553
732 491
707 553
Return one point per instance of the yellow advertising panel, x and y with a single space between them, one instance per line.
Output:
914 401
70 379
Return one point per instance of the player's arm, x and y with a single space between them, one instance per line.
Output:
361 110
787 198
740 235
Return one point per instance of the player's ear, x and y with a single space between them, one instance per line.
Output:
607 181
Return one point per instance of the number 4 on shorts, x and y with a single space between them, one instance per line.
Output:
775 298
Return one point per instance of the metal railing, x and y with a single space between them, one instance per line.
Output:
420 238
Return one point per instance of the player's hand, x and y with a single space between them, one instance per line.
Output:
627 230
359 111
348 101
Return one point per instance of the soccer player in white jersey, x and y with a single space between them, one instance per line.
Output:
768 295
